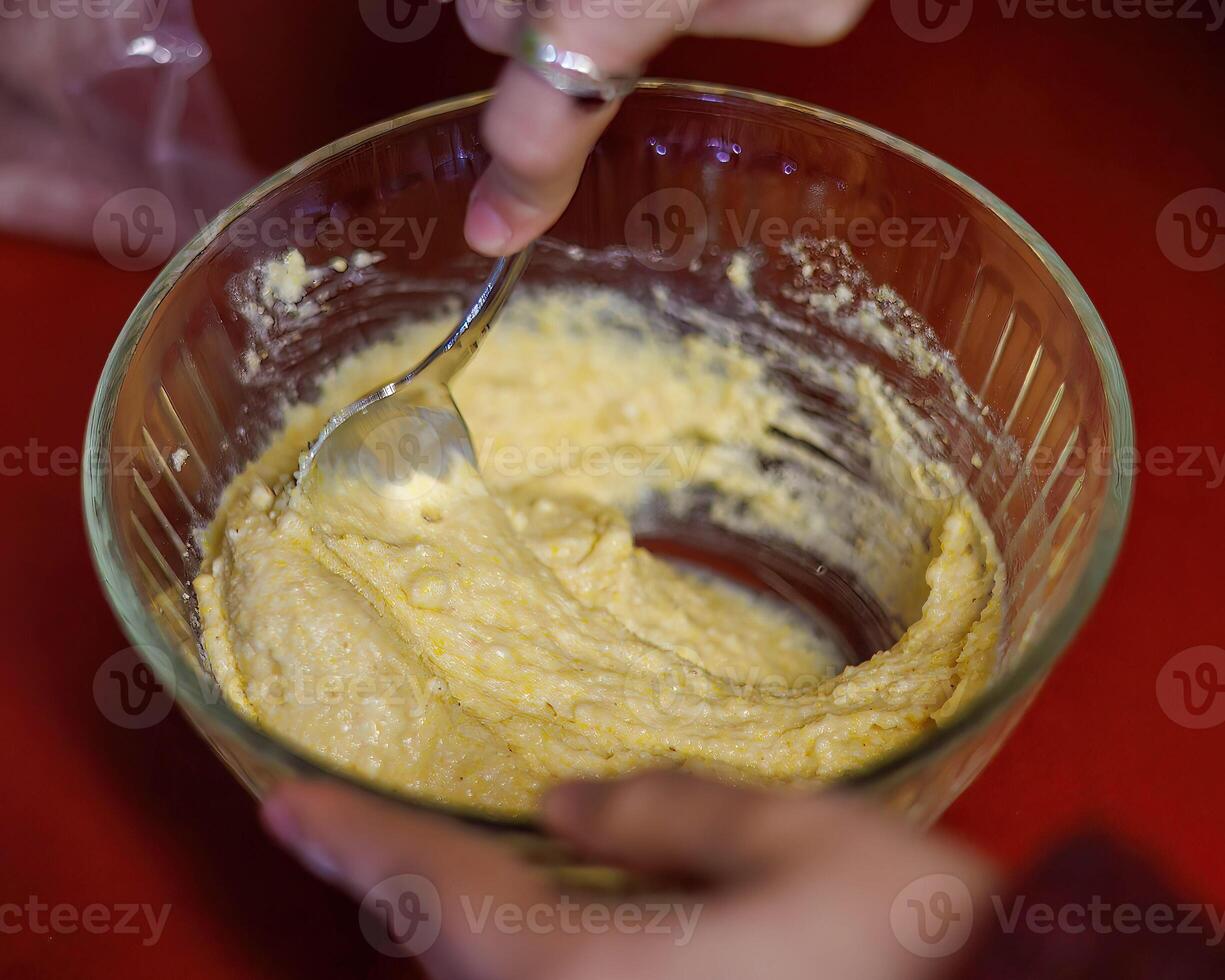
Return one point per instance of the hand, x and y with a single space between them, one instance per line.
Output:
540 138
787 886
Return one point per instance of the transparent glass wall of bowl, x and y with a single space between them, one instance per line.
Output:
1024 337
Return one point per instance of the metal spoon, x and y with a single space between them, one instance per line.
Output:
411 424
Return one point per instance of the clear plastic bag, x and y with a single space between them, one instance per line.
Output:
108 105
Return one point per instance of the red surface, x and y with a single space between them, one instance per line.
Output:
1088 127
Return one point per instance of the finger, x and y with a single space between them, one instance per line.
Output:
799 22
358 843
491 24
538 138
495 24
674 823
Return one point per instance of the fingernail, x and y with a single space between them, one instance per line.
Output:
282 823
320 863
484 228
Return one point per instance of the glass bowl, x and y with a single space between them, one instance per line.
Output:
685 177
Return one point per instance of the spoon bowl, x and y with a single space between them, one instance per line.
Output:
411 424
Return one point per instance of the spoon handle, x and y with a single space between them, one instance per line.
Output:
435 370
445 360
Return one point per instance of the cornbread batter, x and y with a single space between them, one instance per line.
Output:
476 638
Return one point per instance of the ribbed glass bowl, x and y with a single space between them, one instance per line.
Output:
686 175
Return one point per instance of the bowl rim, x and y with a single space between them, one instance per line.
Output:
1045 647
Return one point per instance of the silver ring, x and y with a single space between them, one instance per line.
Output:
570 72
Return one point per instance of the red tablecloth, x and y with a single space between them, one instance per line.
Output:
1088 127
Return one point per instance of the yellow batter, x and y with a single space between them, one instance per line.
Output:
477 638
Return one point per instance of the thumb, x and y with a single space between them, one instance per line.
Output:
378 852
673 823
538 138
